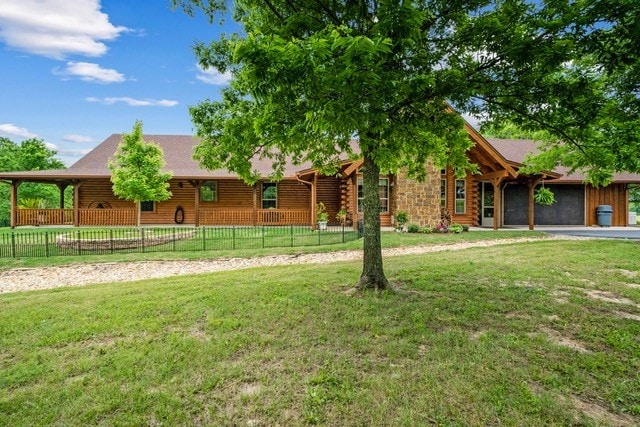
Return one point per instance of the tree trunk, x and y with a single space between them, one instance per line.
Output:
139 213
372 272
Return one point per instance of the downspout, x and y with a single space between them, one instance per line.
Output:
312 186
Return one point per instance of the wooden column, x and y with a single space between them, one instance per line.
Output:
255 202
13 200
76 203
62 186
532 183
196 202
314 200
497 201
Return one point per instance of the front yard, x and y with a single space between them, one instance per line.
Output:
539 333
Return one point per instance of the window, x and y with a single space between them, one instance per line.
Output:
269 195
383 195
443 192
147 206
461 199
209 191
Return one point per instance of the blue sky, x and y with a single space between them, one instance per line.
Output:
76 71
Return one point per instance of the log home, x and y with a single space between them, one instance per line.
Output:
495 197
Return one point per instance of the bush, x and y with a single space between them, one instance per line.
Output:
455 228
426 230
413 228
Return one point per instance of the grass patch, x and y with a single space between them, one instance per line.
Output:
474 337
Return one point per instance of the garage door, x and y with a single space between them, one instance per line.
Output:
567 210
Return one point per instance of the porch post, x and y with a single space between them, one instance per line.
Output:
532 183
314 200
76 203
13 201
196 202
62 186
497 202
255 202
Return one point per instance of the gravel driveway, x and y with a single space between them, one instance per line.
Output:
28 279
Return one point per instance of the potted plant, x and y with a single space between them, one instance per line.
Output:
341 216
322 216
401 219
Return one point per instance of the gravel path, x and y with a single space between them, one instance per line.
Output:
28 279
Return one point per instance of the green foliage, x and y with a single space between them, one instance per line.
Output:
455 228
321 213
31 154
544 196
136 170
402 217
307 78
34 203
413 228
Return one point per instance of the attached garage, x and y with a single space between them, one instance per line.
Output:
568 209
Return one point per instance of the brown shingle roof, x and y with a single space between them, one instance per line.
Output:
515 150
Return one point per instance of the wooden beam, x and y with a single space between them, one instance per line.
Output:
354 167
489 176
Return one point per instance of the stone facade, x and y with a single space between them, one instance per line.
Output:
421 200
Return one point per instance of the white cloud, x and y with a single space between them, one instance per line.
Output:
213 77
77 138
132 102
57 28
90 72
10 129
51 146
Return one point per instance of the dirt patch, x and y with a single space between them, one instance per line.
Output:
627 315
632 285
249 389
556 338
600 414
627 273
611 297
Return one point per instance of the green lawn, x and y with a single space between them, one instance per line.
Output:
542 333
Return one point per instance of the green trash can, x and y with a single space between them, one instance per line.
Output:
604 214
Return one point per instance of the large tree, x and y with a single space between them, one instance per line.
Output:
136 170
310 75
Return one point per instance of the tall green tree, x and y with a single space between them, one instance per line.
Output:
30 154
136 170
310 75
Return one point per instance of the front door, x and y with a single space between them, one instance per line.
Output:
486 204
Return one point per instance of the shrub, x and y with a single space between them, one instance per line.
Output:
413 228
402 217
455 228
426 230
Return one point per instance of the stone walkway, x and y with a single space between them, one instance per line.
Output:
28 279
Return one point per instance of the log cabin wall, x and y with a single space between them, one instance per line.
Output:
293 195
616 195
329 192
471 209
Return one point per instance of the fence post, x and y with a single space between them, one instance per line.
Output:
46 244
173 243
291 235
111 240
343 232
78 242
204 238
142 238
233 237
263 237
13 244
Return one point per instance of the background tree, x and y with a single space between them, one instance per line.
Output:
136 170
309 76
31 154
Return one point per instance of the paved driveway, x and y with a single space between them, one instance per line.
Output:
602 232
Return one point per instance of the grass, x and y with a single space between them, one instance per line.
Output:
526 334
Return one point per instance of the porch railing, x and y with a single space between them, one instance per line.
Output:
107 216
210 216
44 216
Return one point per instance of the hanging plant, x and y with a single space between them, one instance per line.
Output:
544 196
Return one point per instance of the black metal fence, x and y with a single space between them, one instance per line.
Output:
67 242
